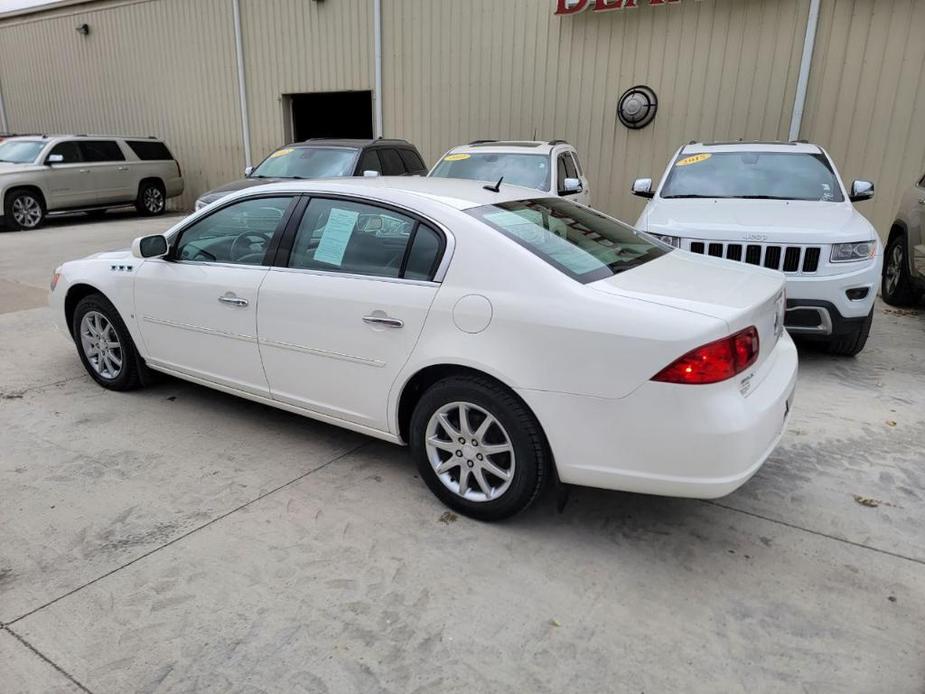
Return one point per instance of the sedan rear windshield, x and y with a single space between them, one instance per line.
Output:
20 151
528 170
753 175
307 162
582 243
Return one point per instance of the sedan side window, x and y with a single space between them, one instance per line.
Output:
351 237
68 150
424 254
239 233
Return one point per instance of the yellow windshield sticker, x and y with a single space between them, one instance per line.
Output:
281 152
695 159
456 157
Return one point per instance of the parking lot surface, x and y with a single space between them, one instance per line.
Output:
177 539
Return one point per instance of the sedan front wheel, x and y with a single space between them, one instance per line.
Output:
478 447
105 345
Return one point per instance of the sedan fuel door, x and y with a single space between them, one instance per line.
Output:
197 308
342 309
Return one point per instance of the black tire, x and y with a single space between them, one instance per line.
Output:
17 203
152 199
896 286
133 373
533 461
853 342
95 214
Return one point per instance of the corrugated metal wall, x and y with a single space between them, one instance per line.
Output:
164 68
456 71
866 99
293 46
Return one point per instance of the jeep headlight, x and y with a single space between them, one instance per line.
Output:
851 252
670 240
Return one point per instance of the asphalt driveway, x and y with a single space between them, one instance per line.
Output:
178 539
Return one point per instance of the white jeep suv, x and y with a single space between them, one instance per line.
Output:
780 205
551 167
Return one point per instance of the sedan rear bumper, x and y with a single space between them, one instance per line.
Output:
672 440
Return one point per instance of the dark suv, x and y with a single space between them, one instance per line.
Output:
327 158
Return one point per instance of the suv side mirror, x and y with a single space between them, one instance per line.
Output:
861 190
643 188
150 246
54 159
248 170
570 186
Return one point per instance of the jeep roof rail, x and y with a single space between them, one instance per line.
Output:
481 142
740 141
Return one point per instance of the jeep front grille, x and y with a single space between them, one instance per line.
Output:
803 259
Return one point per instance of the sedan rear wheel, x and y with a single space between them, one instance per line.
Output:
478 447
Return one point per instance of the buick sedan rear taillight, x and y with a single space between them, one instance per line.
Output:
715 361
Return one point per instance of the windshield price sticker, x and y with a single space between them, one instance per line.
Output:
695 159
456 157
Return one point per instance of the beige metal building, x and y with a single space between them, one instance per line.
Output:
225 81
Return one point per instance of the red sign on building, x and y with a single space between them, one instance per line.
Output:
576 6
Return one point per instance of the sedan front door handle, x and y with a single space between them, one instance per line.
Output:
233 300
383 320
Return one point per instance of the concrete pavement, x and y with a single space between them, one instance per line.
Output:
180 540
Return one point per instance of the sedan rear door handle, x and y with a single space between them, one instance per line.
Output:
233 300
384 320
122 168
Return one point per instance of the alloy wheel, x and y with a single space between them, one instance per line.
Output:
153 199
894 268
470 451
27 211
101 345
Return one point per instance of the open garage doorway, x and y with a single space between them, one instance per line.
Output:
330 114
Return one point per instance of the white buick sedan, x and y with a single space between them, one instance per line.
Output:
507 339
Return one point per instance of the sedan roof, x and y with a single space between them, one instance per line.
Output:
460 194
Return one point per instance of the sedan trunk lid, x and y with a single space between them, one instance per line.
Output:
740 295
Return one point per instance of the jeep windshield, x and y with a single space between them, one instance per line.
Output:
20 151
578 241
307 162
753 176
528 170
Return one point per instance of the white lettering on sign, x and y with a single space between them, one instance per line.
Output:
576 6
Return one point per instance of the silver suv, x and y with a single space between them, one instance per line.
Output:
45 174
904 260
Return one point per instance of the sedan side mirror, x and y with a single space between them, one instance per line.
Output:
643 188
248 170
54 159
570 186
861 190
150 246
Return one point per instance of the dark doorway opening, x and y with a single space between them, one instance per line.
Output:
332 114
